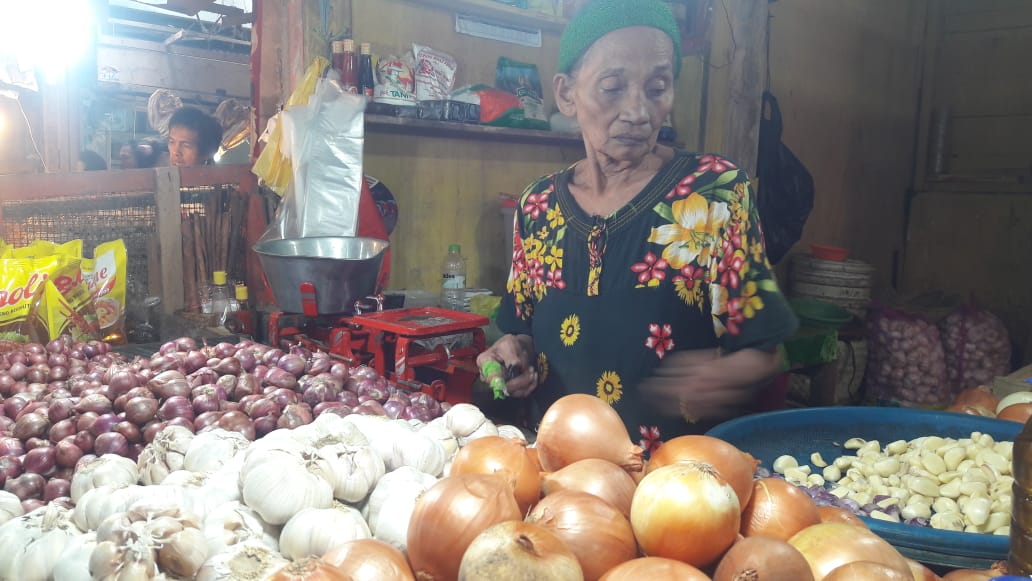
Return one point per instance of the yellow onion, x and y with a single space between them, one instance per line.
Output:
827 546
736 466
594 476
654 569
449 515
580 426
518 550
685 511
506 457
1018 412
920 572
760 558
369 560
308 569
597 533
778 509
830 513
866 571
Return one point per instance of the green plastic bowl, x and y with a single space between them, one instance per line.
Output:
818 313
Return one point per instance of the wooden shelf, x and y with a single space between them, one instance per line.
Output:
425 128
499 12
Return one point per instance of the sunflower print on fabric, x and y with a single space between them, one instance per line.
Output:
569 332
609 387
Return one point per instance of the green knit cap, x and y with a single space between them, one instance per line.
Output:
600 17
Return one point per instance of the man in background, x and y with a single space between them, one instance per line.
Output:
193 137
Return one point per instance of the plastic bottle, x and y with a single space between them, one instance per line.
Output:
349 67
220 297
1019 559
453 279
366 84
242 319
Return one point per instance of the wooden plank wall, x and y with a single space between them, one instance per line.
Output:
971 228
846 75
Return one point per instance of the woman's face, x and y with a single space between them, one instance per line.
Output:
622 92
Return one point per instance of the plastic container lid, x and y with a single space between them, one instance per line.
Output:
454 248
241 292
219 277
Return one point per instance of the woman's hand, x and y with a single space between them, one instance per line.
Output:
702 385
514 351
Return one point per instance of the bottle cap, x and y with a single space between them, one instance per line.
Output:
454 248
365 48
241 292
349 45
219 277
337 46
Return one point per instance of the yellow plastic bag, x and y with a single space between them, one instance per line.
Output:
272 166
20 286
44 248
105 276
65 305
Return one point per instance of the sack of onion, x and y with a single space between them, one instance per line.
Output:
977 347
907 364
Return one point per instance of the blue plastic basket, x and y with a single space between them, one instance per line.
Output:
802 432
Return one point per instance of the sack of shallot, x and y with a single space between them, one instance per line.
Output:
977 347
906 365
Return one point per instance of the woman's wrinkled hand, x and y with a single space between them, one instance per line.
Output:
514 352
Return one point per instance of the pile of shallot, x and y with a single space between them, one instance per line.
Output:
977 347
907 365
66 402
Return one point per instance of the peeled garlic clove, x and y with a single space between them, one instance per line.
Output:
817 460
854 443
184 553
783 463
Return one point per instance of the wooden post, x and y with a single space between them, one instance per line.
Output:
170 238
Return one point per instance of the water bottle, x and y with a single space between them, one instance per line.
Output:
453 279
1019 559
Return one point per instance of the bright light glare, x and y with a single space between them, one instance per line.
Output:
50 34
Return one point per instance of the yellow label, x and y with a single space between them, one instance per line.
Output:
105 278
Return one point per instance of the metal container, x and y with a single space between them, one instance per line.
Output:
321 275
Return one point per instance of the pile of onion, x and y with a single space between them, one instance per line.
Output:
369 560
599 477
758 558
578 427
597 533
452 513
685 511
518 550
654 569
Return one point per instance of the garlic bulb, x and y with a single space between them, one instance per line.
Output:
164 455
486 429
208 451
31 544
314 531
372 427
106 470
390 506
321 464
104 501
329 429
10 506
438 430
74 562
234 524
358 468
418 451
148 537
243 562
279 487
512 432
463 419
201 493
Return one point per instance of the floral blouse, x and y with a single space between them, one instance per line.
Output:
681 266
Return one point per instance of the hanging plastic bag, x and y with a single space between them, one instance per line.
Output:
324 142
785 194
273 165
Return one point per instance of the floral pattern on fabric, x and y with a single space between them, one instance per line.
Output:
650 438
609 389
607 299
570 330
659 339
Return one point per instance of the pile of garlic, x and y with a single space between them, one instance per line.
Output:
958 485
214 506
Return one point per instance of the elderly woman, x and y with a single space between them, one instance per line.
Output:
638 272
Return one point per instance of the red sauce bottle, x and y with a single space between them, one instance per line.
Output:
349 67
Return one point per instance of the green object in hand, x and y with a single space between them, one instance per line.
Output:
492 372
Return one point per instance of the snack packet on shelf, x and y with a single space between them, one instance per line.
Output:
65 305
20 287
435 73
105 276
